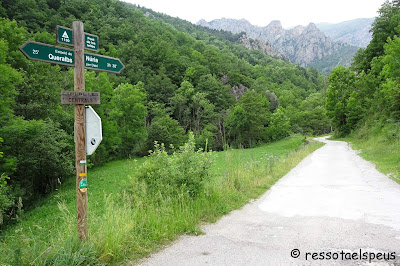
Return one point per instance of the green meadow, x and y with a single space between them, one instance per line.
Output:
127 221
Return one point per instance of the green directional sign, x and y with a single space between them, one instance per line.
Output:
58 55
91 42
65 36
48 53
103 63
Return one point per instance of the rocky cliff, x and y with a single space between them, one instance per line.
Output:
257 44
301 45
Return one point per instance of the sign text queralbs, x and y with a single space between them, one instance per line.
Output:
48 53
63 56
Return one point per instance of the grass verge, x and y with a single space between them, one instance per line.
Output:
126 223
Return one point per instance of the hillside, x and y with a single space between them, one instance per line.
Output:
301 45
354 32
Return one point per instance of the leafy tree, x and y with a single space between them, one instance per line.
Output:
48 162
215 92
206 139
341 84
160 88
14 36
111 132
182 104
384 27
312 118
273 100
164 129
9 79
39 94
354 110
247 121
129 113
236 124
279 126
192 109
257 111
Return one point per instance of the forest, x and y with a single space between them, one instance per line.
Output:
175 81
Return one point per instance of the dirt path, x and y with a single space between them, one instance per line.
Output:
333 208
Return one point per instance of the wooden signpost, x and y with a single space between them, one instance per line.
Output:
80 60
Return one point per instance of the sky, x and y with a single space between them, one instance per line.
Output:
262 12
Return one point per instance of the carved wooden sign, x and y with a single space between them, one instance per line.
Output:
74 97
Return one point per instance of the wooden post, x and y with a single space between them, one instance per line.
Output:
80 142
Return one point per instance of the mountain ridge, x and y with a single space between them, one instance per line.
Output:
301 45
354 32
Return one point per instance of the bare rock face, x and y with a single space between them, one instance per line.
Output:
238 91
301 45
257 44
312 44
225 80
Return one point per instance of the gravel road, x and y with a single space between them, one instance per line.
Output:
333 208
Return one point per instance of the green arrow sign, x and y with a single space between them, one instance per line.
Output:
103 63
58 55
65 36
48 53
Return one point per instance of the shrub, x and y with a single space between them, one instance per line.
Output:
182 172
6 199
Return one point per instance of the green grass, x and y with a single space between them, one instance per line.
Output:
126 224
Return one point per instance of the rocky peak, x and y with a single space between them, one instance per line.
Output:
275 29
275 24
232 25
203 23
312 27
313 34
296 31
301 45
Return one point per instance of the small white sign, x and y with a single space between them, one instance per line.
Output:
93 130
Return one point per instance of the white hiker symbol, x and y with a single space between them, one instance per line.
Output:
65 36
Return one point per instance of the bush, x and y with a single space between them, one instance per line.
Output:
6 199
182 172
